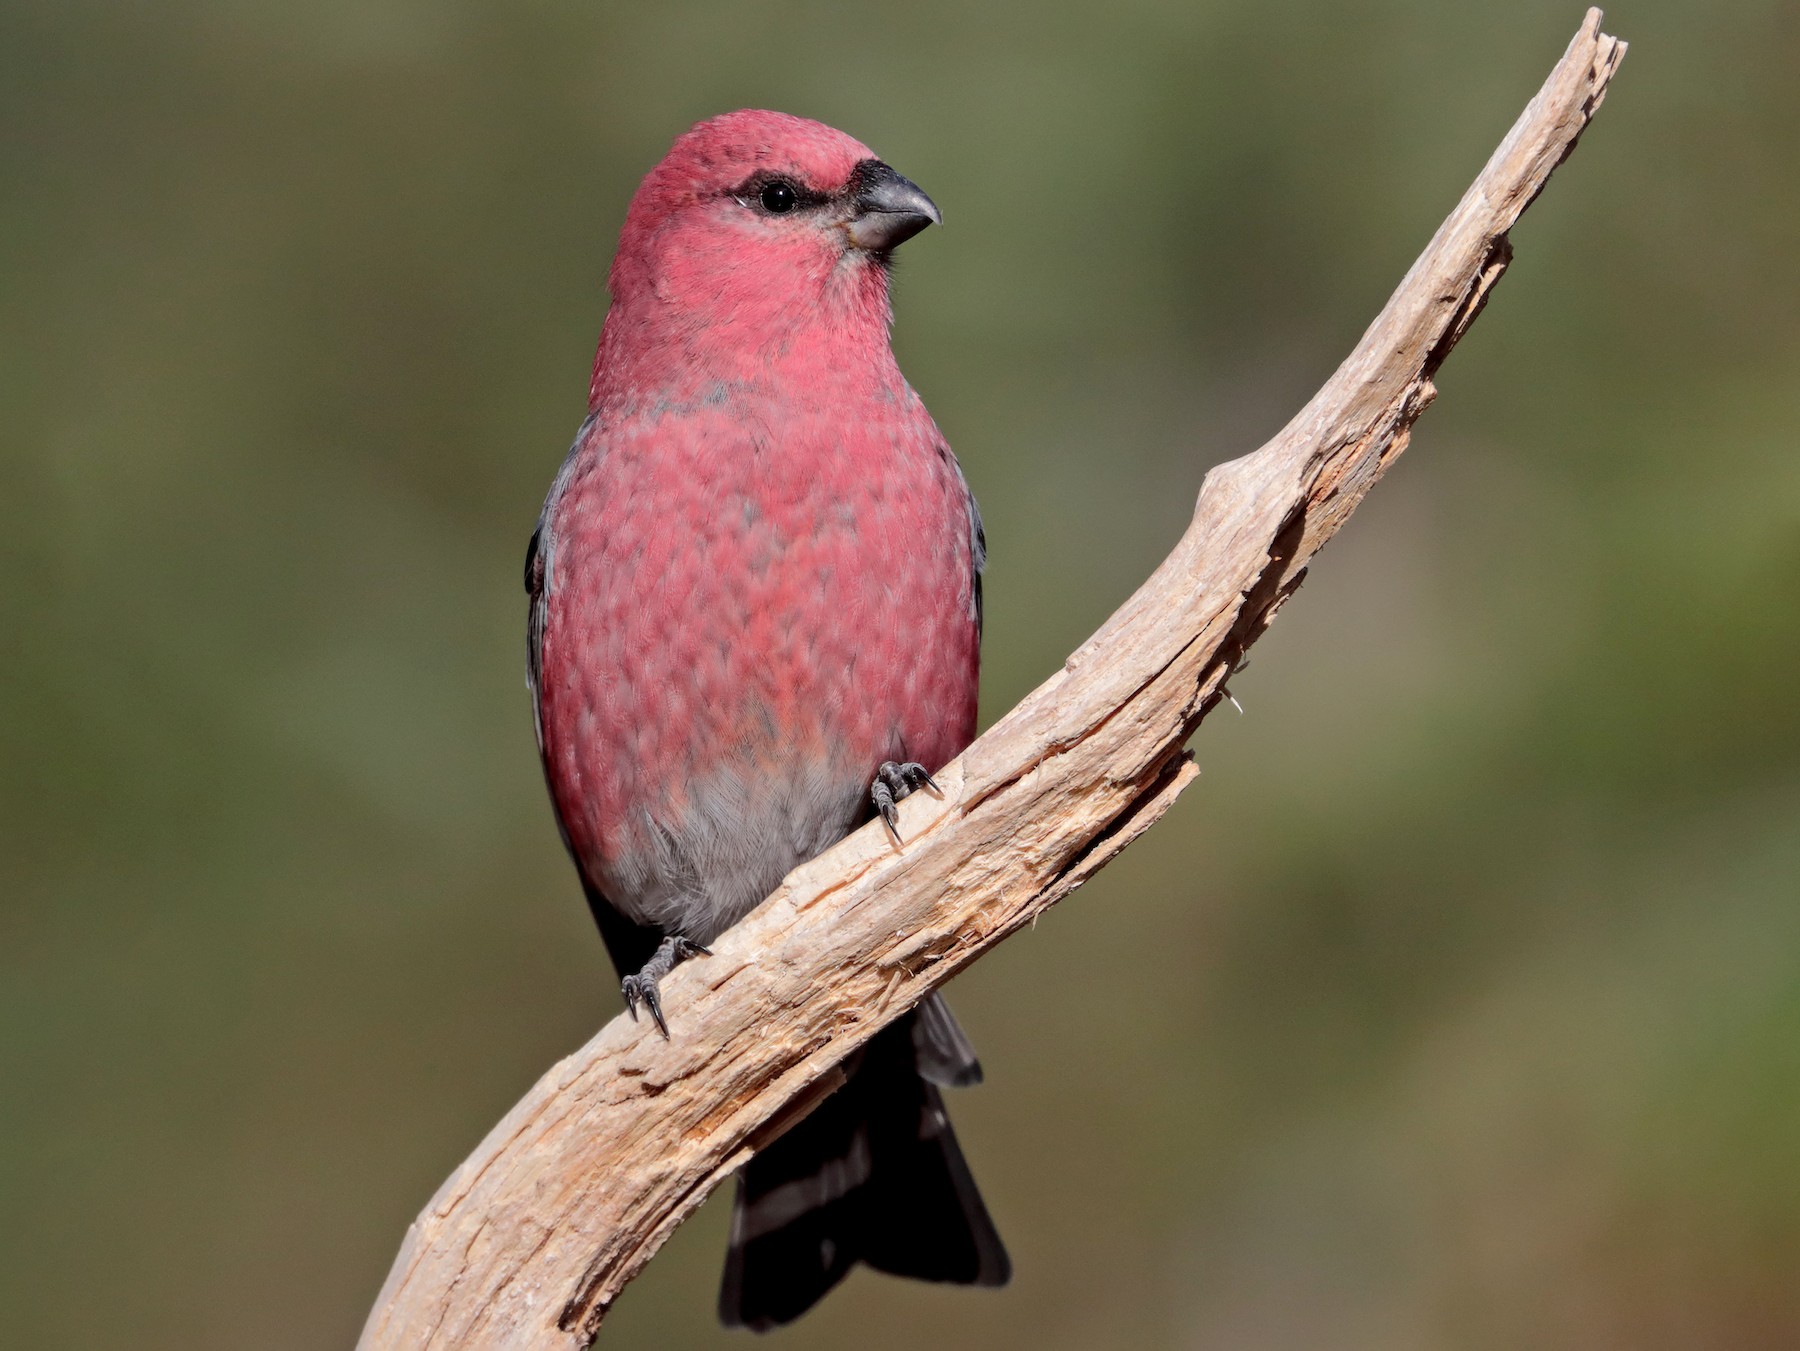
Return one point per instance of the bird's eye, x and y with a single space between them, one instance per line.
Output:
778 197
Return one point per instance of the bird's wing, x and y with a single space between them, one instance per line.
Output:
540 561
977 538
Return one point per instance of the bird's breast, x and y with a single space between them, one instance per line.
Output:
746 617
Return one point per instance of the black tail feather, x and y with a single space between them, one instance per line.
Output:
873 1174
941 1048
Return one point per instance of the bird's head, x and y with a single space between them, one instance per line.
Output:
757 226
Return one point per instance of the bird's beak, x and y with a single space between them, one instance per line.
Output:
887 210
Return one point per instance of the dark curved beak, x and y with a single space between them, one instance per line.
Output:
888 209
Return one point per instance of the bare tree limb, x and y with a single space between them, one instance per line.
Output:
535 1235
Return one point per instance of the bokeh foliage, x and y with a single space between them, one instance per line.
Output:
1458 1006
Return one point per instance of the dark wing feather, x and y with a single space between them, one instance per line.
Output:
629 944
540 579
977 538
534 627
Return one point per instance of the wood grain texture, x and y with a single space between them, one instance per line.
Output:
533 1237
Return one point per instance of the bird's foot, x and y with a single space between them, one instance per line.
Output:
642 988
892 782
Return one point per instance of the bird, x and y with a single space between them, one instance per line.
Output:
755 610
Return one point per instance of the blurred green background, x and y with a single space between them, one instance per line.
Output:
1457 1006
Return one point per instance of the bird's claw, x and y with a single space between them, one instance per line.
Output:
642 988
1243 664
894 781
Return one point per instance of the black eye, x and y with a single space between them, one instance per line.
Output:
779 197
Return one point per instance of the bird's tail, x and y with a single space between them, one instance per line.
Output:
873 1174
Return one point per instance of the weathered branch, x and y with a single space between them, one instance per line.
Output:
535 1235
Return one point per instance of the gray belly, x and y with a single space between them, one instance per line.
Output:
740 831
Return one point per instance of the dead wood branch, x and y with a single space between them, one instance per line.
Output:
534 1236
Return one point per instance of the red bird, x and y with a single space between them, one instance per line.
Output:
755 622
